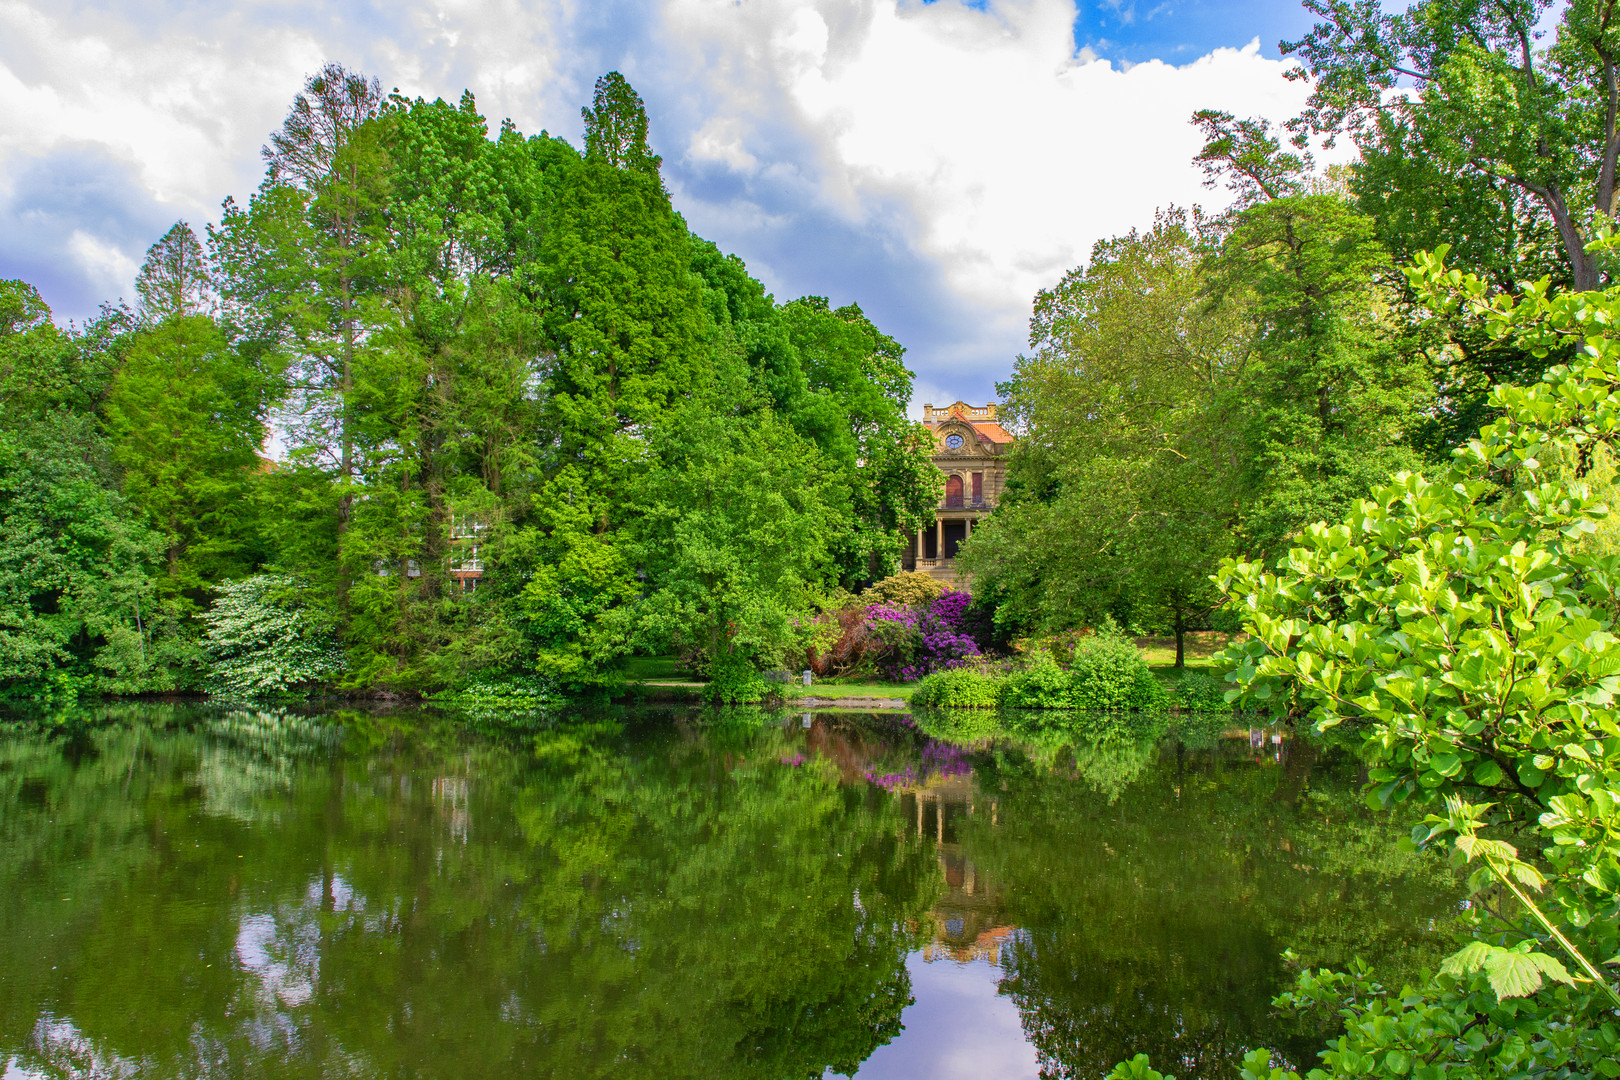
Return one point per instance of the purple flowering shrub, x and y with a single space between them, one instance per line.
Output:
922 639
896 641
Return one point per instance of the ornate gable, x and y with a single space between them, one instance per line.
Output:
957 436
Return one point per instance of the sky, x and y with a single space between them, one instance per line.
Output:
935 161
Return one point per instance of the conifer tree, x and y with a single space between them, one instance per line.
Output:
175 280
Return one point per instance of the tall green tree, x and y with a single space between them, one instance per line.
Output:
175 280
1456 108
298 266
1200 390
76 597
624 314
733 528
186 417
1126 486
1336 389
626 332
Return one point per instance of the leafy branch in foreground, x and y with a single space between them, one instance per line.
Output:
1463 627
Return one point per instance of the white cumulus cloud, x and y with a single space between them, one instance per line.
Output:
937 163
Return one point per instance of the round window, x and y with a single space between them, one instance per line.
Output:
953 441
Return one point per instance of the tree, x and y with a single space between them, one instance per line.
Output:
43 368
1335 390
623 312
1199 390
616 126
843 385
175 280
185 415
1124 491
74 559
731 534
856 390
298 264
1455 93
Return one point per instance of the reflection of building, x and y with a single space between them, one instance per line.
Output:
970 448
968 920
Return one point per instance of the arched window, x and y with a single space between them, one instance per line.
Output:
953 491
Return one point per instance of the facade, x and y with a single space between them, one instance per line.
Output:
970 448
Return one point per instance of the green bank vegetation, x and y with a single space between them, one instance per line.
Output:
492 360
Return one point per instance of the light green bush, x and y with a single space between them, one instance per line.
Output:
958 688
1201 691
1041 685
905 589
1110 672
265 637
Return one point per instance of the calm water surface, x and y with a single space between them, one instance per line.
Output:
661 894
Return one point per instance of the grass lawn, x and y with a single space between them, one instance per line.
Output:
655 669
843 690
1201 646
643 668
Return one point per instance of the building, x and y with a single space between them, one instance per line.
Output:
970 448
466 558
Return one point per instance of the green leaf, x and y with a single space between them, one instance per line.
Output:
1446 764
1513 974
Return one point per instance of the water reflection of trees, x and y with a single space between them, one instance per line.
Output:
1155 882
264 893
278 895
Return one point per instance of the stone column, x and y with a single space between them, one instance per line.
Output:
969 528
939 537
922 552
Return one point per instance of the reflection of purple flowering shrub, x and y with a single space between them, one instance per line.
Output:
923 640
892 781
937 759
946 760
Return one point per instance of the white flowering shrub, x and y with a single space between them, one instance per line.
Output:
264 638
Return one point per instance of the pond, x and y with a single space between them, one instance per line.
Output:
661 893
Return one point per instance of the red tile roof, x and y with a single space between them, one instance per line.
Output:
991 431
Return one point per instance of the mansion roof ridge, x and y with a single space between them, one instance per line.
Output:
981 418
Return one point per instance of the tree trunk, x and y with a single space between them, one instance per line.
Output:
1181 640
1583 269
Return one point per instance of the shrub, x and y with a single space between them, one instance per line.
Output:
922 640
1110 672
735 682
897 641
1202 692
264 637
500 693
907 589
1041 685
958 688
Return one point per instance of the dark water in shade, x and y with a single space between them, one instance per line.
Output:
198 892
